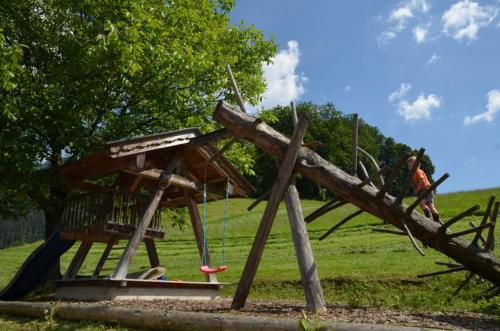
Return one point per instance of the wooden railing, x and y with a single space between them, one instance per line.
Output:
107 208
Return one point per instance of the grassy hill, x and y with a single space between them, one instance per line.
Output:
357 267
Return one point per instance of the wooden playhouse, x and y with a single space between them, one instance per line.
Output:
172 167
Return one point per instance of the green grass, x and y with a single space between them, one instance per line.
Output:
358 267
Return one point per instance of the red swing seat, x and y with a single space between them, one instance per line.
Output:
207 270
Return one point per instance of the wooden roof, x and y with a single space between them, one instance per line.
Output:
138 162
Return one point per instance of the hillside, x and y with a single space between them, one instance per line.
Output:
358 267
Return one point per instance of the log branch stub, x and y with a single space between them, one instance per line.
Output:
339 224
442 272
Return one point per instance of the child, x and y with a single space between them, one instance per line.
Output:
420 183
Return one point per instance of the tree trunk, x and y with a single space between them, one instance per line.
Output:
313 166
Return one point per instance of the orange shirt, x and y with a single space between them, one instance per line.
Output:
420 176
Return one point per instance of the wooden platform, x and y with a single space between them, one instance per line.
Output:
133 289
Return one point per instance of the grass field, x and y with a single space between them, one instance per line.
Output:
357 267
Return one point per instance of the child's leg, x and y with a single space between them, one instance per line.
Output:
426 209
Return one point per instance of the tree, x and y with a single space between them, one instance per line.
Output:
75 74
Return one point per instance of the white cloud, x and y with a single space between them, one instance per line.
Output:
283 83
399 17
418 109
465 18
347 88
433 59
420 33
399 93
493 107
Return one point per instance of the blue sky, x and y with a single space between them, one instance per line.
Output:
427 73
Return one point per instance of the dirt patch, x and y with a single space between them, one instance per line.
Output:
456 320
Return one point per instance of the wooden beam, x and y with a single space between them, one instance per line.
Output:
77 261
469 231
442 272
322 172
104 257
266 223
339 224
328 207
260 199
206 139
311 284
364 173
380 173
154 261
490 239
484 220
195 218
459 217
390 231
175 180
374 163
481 238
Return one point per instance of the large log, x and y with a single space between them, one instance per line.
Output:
313 166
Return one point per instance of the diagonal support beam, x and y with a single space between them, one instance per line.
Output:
339 224
465 232
263 197
457 218
442 272
487 214
266 223
326 208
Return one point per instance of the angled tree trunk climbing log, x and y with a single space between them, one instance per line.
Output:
476 259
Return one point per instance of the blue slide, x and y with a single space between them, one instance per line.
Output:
36 265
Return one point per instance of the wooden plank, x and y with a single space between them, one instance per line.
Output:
266 223
354 149
77 261
154 261
322 172
104 257
313 291
195 218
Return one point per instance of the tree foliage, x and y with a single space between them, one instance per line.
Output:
74 74
334 130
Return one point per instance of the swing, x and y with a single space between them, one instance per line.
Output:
205 268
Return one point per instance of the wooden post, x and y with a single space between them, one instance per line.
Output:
152 253
266 223
194 215
313 291
77 261
354 151
311 284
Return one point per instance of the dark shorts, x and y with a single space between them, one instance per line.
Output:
428 198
